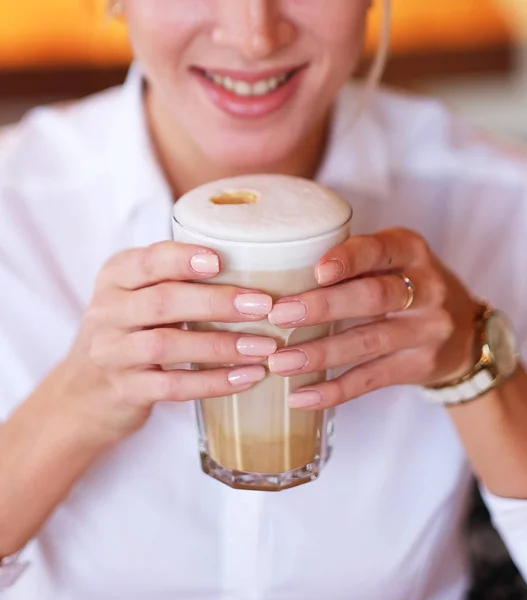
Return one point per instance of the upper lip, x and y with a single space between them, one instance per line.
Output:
250 76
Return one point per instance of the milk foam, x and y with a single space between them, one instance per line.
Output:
292 223
286 209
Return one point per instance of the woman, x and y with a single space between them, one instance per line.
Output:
99 473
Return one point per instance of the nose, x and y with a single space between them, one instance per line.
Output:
255 28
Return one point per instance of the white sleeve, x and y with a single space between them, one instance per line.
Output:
509 517
11 569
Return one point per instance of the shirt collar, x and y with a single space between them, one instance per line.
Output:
136 174
356 160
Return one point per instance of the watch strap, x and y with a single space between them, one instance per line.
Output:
471 389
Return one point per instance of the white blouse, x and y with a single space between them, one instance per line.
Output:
79 183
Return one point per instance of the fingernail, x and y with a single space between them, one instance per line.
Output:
246 376
205 263
329 272
256 346
287 312
287 361
257 305
308 399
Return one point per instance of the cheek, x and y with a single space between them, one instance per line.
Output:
346 33
161 31
337 32
149 38
339 40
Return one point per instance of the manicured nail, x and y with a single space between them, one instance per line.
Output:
287 361
246 376
205 263
329 272
307 399
287 312
256 305
256 346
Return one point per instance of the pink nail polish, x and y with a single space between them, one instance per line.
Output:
284 313
307 399
205 263
246 376
330 272
256 346
287 361
256 305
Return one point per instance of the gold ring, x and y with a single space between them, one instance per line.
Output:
410 290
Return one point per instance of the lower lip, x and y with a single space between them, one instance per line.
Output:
250 106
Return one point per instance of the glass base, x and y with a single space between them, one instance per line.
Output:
264 482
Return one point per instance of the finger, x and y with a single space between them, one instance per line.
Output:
388 250
358 298
170 302
409 367
167 346
164 261
145 387
362 344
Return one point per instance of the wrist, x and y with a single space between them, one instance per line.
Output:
497 352
91 407
469 350
68 412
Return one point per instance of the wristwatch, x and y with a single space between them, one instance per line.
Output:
497 349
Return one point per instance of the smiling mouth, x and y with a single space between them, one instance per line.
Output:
246 89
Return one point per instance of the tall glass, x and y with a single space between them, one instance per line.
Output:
252 439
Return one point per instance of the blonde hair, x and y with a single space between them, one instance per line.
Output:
374 77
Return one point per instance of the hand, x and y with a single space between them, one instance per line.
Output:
120 364
430 343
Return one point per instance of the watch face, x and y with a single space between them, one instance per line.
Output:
502 343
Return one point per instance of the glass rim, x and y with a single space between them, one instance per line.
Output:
270 245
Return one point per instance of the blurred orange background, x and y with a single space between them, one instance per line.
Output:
62 33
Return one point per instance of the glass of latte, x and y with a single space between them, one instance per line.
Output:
269 231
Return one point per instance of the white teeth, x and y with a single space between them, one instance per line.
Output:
260 88
244 89
273 83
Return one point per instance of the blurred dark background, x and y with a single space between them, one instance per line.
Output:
469 52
